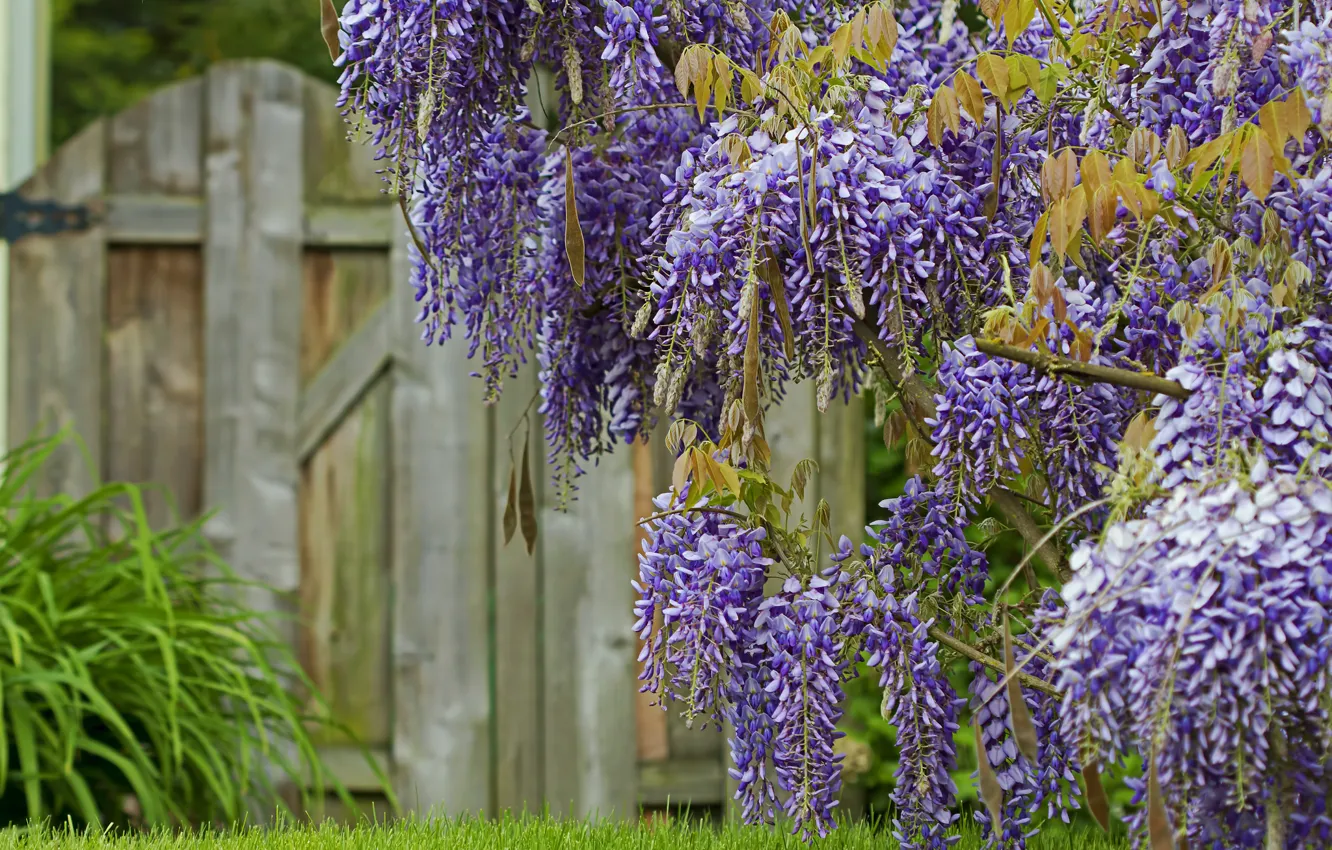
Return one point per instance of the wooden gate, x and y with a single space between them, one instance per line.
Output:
235 327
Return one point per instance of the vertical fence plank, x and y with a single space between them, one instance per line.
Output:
58 284
591 767
344 641
841 456
252 299
518 698
442 521
652 721
156 146
252 294
154 376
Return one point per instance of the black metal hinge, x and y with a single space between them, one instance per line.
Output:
21 217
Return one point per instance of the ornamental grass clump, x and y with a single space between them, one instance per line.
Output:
135 687
1081 255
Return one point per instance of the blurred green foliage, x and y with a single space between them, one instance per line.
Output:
106 54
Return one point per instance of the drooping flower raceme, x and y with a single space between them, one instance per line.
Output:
1199 635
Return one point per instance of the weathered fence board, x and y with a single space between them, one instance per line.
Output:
517 618
235 329
154 375
57 304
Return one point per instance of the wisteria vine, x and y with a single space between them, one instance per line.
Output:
1080 251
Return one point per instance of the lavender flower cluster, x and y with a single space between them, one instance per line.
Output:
1199 635
870 231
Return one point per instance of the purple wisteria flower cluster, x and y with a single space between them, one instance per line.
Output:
1080 252
1199 636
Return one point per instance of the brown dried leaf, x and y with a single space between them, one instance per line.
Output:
1140 431
771 272
1177 147
1094 792
1160 834
1095 171
1221 260
527 511
1144 146
996 166
573 231
990 8
328 26
990 790
511 505
1019 716
894 428
751 376
1101 216
1060 229
804 470
969 94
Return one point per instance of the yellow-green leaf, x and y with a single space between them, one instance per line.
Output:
881 31
1257 165
841 43
1297 117
1038 237
970 96
722 90
1018 15
993 71
1047 86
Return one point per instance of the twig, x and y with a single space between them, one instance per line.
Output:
701 509
1051 364
961 648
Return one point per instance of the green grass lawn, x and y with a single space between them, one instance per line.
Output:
520 835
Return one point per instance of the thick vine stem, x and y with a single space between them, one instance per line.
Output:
1050 364
918 402
961 648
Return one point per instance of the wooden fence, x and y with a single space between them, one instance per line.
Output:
235 327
